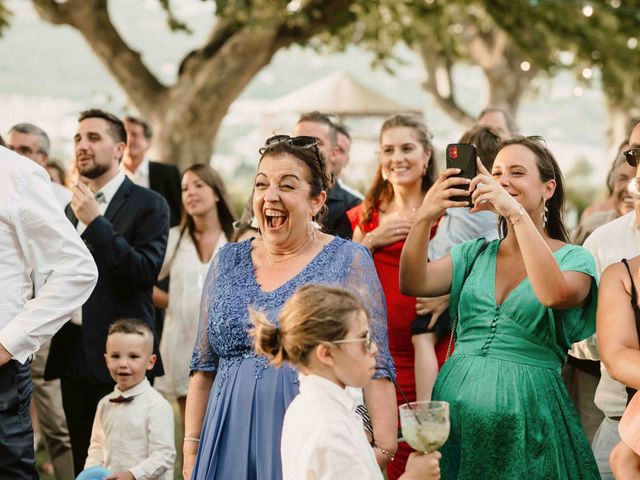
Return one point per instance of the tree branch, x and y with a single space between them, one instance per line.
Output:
91 19
433 62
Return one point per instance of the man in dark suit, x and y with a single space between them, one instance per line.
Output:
339 200
163 178
125 228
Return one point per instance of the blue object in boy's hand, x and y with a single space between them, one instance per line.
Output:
94 473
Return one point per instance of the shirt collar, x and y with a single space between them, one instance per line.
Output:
142 387
316 382
110 189
141 171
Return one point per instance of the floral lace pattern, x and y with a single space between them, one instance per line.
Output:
231 289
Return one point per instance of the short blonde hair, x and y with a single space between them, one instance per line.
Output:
314 314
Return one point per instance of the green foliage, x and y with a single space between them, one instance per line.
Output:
5 16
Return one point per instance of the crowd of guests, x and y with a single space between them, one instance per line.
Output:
288 338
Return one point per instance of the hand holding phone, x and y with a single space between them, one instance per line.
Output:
463 156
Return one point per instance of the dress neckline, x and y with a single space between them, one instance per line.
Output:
494 271
293 279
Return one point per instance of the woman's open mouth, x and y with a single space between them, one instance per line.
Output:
274 219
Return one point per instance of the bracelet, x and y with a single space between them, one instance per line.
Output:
386 453
367 241
192 439
520 213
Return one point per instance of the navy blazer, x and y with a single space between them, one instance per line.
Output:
128 245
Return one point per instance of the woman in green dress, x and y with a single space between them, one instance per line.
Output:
520 302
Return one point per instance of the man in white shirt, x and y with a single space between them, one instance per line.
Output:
609 244
35 239
32 142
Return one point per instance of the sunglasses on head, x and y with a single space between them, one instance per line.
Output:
301 142
632 156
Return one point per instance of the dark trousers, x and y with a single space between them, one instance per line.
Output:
17 459
81 392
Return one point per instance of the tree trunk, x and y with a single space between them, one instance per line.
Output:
187 115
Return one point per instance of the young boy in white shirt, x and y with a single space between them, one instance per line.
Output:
133 428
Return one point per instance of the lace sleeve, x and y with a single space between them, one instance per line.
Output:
363 279
203 358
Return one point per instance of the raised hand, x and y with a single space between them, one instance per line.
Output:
438 198
488 194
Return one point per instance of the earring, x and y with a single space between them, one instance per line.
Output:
314 223
425 170
254 223
312 233
384 176
544 216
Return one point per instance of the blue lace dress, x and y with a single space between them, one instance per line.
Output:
240 438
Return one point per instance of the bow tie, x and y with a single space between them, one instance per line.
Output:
100 198
121 399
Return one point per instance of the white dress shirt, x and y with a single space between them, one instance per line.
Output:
322 436
140 176
36 239
609 244
136 436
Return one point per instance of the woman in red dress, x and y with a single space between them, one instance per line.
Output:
381 223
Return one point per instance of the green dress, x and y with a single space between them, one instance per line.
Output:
511 416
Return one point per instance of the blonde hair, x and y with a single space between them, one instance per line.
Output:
314 314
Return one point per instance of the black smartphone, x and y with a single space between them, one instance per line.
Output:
463 156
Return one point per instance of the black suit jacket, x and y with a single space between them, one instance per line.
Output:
339 201
128 245
164 178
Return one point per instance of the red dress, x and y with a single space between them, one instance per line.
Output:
401 312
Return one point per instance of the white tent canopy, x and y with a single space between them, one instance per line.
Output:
338 94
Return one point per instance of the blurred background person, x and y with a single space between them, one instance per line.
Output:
498 119
207 224
617 203
57 172
381 223
343 141
339 200
32 142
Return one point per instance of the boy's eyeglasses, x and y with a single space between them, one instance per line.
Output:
632 156
368 341
302 142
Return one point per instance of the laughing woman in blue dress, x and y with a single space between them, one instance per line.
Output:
236 400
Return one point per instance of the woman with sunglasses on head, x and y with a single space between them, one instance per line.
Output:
207 224
236 400
324 332
406 171
520 303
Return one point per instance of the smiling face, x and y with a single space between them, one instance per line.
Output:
129 356
198 197
403 160
516 168
622 201
282 201
353 364
96 151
